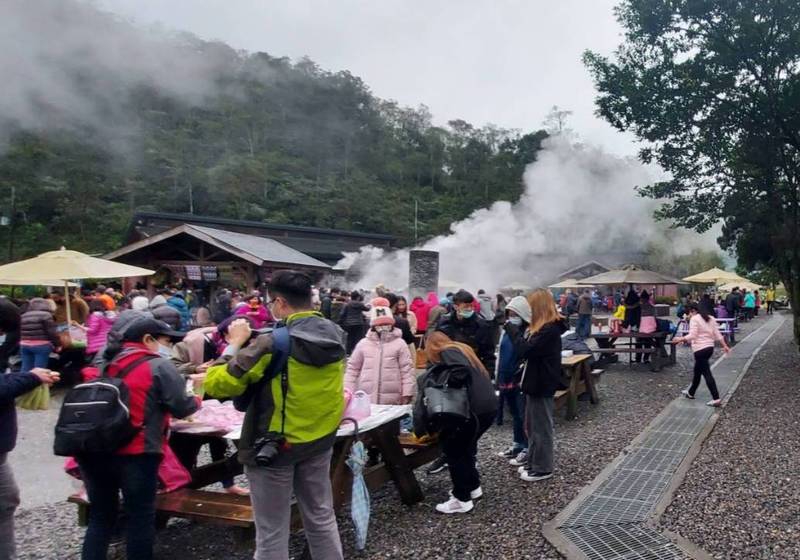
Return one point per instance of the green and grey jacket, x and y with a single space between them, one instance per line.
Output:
315 398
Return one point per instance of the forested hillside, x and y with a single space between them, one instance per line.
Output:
277 140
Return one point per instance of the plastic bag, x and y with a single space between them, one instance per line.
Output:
38 399
358 407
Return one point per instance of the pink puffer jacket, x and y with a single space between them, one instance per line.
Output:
381 367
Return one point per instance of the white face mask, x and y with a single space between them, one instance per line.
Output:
383 328
516 321
164 351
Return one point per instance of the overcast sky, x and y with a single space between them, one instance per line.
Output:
505 62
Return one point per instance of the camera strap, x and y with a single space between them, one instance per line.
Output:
284 393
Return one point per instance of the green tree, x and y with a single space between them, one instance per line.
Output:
712 88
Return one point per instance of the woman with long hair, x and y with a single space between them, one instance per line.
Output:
458 437
540 349
703 334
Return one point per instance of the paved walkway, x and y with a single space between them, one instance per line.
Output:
611 519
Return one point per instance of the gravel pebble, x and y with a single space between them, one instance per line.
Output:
741 497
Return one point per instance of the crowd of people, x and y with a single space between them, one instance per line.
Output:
287 355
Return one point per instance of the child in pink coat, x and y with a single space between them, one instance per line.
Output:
381 363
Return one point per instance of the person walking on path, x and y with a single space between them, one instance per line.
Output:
13 385
770 297
540 348
703 334
352 320
518 312
458 437
584 327
291 421
381 362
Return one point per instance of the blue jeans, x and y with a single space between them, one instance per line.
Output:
35 356
516 406
137 477
584 327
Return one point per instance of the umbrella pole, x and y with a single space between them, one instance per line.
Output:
69 307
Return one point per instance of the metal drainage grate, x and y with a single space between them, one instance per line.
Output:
652 460
627 484
601 510
668 441
622 542
684 422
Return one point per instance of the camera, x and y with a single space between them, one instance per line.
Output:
268 447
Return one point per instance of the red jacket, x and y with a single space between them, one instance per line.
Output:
157 392
420 309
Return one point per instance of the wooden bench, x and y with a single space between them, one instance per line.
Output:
219 508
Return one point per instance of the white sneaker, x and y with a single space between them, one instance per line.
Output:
535 477
476 494
715 403
687 394
520 460
455 506
522 469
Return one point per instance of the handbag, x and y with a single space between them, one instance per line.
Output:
442 400
357 406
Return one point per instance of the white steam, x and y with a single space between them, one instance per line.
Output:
66 64
579 204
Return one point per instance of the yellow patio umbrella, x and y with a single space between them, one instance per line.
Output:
744 285
64 265
714 276
48 283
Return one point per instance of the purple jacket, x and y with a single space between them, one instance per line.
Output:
382 367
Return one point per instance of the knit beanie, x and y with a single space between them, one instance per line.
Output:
380 313
521 307
140 303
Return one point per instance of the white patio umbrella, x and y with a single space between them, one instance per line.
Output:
64 265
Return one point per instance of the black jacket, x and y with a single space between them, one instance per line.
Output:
732 303
353 314
37 323
12 385
461 373
405 328
541 352
474 332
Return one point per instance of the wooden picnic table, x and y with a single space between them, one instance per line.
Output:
577 372
607 345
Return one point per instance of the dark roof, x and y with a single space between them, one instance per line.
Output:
210 220
253 248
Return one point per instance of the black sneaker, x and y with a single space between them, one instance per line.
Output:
437 466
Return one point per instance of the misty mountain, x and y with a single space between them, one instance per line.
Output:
102 118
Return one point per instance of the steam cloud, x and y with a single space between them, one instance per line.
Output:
579 204
66 64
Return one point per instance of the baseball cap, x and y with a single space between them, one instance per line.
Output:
147 325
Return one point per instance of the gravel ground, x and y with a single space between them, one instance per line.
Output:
629 400
741 498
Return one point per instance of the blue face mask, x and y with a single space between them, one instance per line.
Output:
164 351
466 314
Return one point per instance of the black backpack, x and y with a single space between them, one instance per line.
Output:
95 416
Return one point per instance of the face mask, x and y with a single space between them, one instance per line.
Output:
164 351
383 328
516 321
466 314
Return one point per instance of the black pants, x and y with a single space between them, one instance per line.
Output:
354 334
640 356
770 307
186 448
459 441
137 477
703 369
